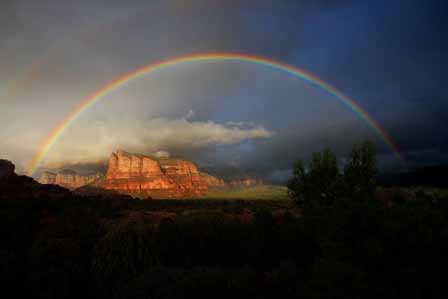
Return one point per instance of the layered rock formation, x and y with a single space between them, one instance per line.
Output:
212 181
68 179
157 178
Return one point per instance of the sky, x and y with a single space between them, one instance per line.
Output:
389 56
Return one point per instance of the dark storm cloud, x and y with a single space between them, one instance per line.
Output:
178 27
420 132
329 4
389 55
10 22
300 143
92 30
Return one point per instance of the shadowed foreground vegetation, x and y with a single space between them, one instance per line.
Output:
338 243
125 249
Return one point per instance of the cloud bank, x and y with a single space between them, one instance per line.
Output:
99 139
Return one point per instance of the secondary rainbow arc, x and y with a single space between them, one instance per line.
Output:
268 62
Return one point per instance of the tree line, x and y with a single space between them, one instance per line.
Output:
322 182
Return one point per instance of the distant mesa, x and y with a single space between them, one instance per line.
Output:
68 179
212 181
22 187
245 182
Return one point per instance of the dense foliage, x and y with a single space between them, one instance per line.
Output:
322 182
89 248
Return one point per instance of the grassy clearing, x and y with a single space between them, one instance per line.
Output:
263 192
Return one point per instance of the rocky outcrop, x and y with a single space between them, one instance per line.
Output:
245 182
6 168
185 174
13 186
68 179
157 178
48 178
212 181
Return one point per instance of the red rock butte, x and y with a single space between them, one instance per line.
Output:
157 178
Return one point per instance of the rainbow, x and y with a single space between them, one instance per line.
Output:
208 57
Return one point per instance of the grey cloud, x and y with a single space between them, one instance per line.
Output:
100 139
10 22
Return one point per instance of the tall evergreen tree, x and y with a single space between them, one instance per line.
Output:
361 171
320 183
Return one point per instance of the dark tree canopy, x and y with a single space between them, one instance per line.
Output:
360 172
322 182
